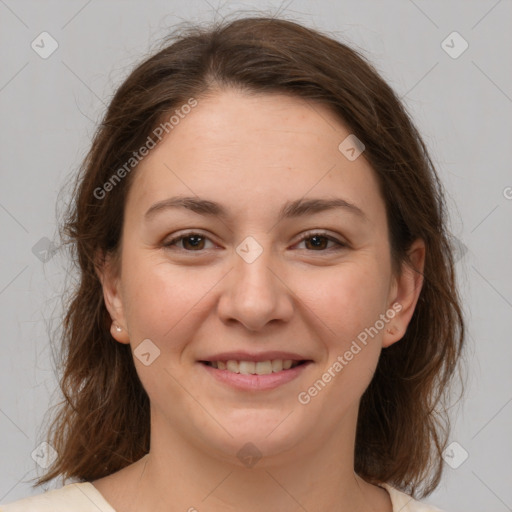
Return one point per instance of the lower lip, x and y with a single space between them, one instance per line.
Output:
255 382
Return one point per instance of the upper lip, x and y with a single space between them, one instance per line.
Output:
255 356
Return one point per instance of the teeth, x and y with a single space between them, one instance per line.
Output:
232 366
277 365
263 367
255 368
247 367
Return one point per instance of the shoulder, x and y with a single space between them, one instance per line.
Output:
79 497
404 503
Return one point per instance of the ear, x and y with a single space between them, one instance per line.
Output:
404 294
106 269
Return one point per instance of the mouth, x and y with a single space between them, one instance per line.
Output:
251 371
255 367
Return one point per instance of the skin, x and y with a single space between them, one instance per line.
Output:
252 153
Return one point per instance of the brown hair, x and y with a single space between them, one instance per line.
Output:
103 422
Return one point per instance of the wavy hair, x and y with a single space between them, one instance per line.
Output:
103 422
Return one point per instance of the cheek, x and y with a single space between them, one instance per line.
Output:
161 305
163 300
346 299
347 306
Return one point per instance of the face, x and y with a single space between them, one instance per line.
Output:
253 275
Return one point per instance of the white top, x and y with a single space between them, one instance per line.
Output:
84 497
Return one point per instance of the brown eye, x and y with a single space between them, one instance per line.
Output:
191 242
195 242
318 242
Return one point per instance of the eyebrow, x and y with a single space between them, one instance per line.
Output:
291 209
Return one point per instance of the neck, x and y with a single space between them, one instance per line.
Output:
177 474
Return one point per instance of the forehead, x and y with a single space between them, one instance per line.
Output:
250 150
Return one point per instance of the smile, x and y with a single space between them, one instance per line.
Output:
255 367
255 375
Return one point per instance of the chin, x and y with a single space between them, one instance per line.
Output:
257 435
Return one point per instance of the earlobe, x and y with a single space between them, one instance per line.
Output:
405 293
109 279
118 333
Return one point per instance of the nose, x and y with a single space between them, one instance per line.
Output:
256 293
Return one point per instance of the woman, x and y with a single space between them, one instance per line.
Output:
267 316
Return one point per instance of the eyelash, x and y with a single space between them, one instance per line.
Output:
306 236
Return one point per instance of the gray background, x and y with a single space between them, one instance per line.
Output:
462 106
